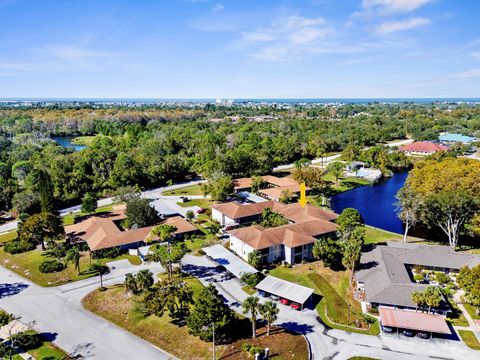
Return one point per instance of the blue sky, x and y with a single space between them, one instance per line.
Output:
239 49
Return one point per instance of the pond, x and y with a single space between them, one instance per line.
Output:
376 203
66 141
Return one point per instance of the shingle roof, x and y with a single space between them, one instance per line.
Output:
383 270
291 235
423 147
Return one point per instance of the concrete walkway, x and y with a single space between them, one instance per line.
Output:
58 312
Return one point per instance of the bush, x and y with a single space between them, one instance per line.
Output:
18 246
252 279
252 349
111 253
28 340
51 266
5 318
442 278
418 277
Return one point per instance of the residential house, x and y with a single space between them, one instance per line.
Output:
422 148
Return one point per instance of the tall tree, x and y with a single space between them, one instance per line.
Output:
251 305
269 312
352 250
337 169
255 259
347 221
41 228
209 308
408 208
89 204
140 213
167 255
73 255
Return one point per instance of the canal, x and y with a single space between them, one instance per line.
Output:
376 203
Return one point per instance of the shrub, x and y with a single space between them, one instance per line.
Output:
51 266
5 318
252 349
201 252
418 277
111 253
442 278
28 340
18 246
252 279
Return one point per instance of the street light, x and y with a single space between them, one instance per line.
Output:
212 325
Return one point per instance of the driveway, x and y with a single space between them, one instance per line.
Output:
58 311
330 343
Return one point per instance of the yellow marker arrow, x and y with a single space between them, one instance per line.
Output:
303 195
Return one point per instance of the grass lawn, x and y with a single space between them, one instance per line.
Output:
456 317
8 236
124 310
469 339
184 191
198 242
69 219
345 183
48 351
376 235
203 203
249 290
471 311
337 308
83 140
26 265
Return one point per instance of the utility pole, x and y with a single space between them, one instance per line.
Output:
214 354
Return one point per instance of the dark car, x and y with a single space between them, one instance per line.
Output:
408 333
387 329
262 293
201 211
423 335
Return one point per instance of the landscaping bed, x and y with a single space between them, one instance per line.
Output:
184 191
469 339
283 344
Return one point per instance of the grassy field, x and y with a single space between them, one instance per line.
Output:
336 295
70 218
8 236
469 339
48 351
203 203
471 311
83 140
376 235
184 191
26 265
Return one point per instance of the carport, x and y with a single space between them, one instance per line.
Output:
285 289
412 320
229 261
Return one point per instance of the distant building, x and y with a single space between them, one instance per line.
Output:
423 148
275 186
454 138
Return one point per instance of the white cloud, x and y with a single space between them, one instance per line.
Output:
70 53
475 55
218 8
474 73
393 6
401 25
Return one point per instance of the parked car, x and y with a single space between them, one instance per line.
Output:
262 293
201 211
423 335
387 329
408 333
295 306
274 297
284 301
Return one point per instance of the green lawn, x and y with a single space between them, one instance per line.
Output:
345 183
8 236
469 339
203 203
249 290
83 140
26 265
376 235
69 219
471 311
184 191
337 308
48 351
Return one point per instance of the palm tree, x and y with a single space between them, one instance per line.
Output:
130 283
144 279
73 255
269 312
252 305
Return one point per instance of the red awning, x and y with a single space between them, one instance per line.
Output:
413 320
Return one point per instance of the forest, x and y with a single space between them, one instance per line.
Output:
151 145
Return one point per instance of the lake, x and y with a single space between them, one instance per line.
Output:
66 141
374 202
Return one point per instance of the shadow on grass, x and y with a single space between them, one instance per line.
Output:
7 290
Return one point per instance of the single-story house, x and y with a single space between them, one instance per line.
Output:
423 148
292 242
384 276
454 138
102 232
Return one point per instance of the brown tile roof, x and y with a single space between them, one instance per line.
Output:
235 210
291 235
244 183
295 213
101 232
412 320
276 192
423 147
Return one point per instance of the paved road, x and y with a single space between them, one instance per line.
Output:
58 311
330 343
149 194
